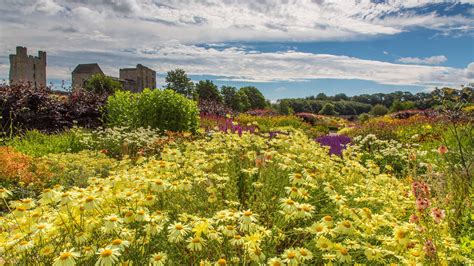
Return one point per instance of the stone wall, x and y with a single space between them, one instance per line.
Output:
28 68
138 78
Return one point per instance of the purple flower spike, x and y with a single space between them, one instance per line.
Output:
336 143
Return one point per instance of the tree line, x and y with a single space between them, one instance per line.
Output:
377 103
237 100
250 98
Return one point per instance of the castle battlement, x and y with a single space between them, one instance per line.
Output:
29 68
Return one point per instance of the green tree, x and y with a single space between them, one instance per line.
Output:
321 96
379 110
284 108
229 95
99 83
328 109
400 106
255 97
208 91
244 102
340 96
178 81
235 99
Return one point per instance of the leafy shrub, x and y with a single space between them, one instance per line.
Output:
157 109
35 143
15 167
269 123
364 117
19 173
379 110
102 84
25 107
207 107
328 109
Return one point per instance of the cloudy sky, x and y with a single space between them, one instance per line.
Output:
287 48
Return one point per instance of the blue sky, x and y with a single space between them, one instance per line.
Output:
291 48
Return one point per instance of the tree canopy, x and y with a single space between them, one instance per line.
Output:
208 91
179 81
101 84
256 98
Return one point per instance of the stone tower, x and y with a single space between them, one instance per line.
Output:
139 78
28 68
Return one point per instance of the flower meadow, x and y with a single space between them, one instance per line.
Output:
226 199
157 178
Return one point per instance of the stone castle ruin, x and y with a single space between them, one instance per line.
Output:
132 79
28 68
139 78
82 73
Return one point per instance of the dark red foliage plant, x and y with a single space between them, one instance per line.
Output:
25 107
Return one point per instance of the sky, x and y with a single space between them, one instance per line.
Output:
286 48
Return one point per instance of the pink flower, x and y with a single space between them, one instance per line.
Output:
422 204
429 248
414 219
420 189
442 149
437 214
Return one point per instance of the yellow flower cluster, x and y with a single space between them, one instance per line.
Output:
227 200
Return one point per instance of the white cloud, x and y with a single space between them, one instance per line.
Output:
204 21
165 34
432 60
237 64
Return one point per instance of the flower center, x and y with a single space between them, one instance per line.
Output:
106 253
344 251
291 255
89 199
65 256
346 224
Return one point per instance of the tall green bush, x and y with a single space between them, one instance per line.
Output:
379 110
157 109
